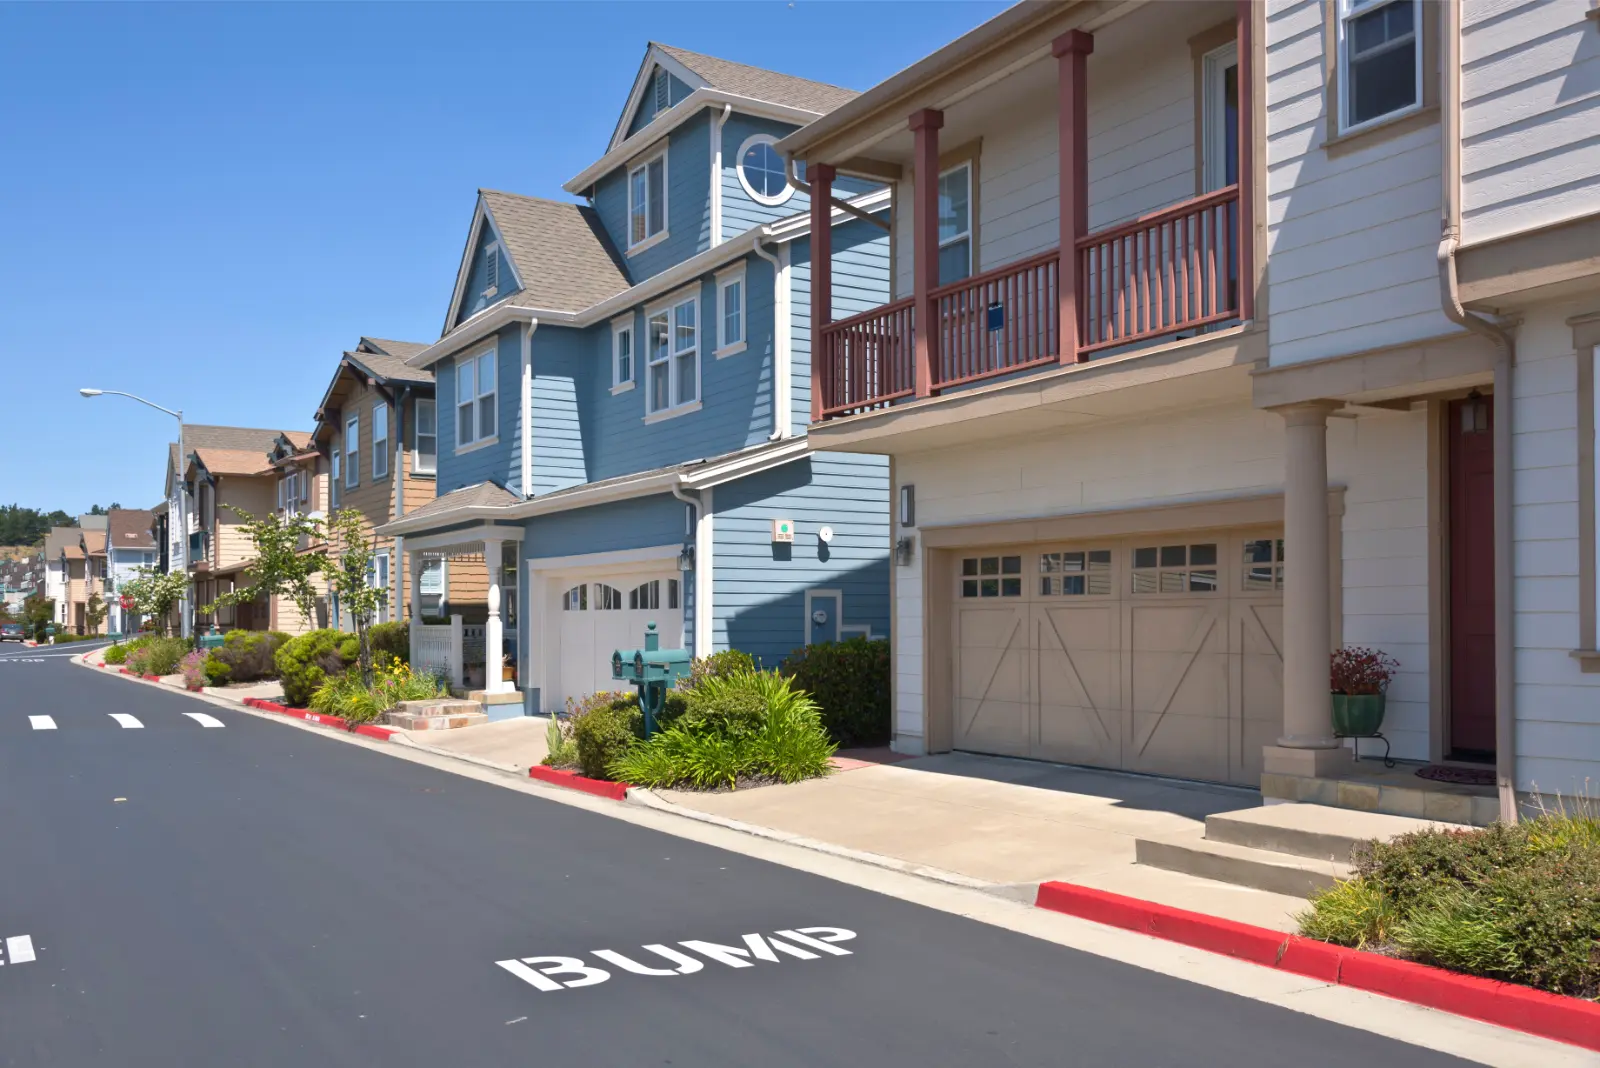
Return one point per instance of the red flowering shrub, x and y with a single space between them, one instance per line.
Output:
1358 670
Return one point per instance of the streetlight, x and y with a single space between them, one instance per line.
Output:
185 626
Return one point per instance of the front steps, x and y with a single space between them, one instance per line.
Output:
1292 849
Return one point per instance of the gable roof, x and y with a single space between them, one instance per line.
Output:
400 349
94 542
391 368
60 539
477 495
232 461
761 84
198 436
559 251
130 529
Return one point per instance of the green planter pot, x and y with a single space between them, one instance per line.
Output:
1357 715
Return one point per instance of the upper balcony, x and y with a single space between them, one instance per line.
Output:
1131 120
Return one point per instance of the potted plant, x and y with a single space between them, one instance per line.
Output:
1360 680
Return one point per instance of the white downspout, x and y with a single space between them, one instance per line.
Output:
527 408
1505 689
716 174
782 342
704 606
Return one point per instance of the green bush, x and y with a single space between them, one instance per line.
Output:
1514 902
63 637
304 663
604 730
159 656
117 654
245 656
849 680
727 662
390 642
716 743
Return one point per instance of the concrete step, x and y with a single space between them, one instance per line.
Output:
1316 832
1277 873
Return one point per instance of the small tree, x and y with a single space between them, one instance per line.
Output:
153 593
352 559
280 568
39 612
95 610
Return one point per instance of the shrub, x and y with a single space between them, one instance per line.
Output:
117 654
604 727
245 656
304 663
561 750
727 662
390 642
193 667
1514 902
62 638
345 695
722 708
159 656
849 680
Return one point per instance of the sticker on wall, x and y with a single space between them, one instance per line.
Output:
783 530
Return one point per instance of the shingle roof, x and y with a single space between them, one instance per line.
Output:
562 253
391 368
130 529
477 495
403 349
233 461
94 542
89 521
58 539
775 88
198 436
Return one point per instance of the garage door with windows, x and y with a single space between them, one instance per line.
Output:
596 616
1156 654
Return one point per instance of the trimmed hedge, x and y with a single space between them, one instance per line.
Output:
390 642
304 663
849 681
244 656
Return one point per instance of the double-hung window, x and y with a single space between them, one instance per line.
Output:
476 398
674 356
647 200
730 313
1380 59
380 440
955 224
425 459
352 452
333 481
622 355
378 579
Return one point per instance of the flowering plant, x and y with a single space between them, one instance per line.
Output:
193 666
1359 670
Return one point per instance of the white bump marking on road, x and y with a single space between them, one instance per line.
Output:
42 723
125 720
204 720
19 949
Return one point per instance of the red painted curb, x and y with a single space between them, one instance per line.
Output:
125 671
151 678
613 791
371 730
1505 1004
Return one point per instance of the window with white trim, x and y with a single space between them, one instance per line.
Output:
607 598
955 224
622 355
425 458
1175 569
730 313
431 586
576 599
378 579
352 452
1380 59
380 440
647 199
674 367
476 398
761 171
333 482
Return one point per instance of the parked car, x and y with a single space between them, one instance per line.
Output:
12 632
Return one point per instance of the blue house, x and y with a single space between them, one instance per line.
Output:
623 391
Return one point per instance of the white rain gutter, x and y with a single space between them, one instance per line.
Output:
716 174
794 180
703 549
1505 689
527 407
782 342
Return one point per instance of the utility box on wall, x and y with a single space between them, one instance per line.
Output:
783 530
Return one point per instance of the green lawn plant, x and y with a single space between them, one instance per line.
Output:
345 695
308 660
158 656
244 656
849 680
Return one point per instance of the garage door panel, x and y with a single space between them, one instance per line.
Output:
1258 635
993 708
1079 671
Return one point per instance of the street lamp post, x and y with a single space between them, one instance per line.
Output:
185 624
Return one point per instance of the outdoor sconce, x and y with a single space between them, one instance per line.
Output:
686 558
904 550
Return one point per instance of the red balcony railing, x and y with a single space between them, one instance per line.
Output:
1164 273
998 322
867 360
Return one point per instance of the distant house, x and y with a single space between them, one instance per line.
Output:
130 545
59 543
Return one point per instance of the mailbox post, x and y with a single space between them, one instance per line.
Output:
652 670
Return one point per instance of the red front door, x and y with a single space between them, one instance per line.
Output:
1470 434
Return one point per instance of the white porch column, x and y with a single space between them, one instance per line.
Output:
1308 746
457 674
493 633
416 602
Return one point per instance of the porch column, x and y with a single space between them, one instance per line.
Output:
416 603
1308 746
821 177
1072 51
1244 35
493 632
925 127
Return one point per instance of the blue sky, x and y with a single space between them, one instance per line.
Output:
206 204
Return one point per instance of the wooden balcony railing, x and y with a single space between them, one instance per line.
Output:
1168 272
866 361
997 322
1171 272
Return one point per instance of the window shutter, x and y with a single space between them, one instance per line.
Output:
280 495
663 90
491 267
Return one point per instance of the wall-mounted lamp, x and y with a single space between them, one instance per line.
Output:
686 558
904 550
908 506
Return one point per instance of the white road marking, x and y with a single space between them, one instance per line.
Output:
42 723
204 720
19 949
125 720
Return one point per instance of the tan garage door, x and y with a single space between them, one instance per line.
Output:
1159 654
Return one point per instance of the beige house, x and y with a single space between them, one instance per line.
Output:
1180 393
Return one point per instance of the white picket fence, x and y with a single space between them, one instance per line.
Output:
438 648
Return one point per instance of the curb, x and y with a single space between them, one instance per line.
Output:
613 791
370 730
1520 1008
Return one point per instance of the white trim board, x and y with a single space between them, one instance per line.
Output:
475 535
480 215
618 559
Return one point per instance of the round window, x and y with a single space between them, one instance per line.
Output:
761 171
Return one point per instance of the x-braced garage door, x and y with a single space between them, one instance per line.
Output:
1159 655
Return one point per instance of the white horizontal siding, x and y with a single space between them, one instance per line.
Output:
1351 237
1530 151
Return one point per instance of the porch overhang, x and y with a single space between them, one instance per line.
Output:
463 537
1209 369
1389 377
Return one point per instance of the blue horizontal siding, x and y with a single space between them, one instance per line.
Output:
560 366
741 211
473 298
646 112
860 283
500 463
759 586
688 201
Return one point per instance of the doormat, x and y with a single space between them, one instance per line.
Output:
1463 776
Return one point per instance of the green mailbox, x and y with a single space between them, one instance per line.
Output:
652 670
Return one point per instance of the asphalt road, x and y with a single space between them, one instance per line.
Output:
252 894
